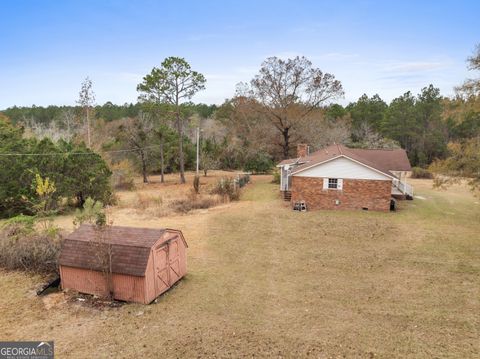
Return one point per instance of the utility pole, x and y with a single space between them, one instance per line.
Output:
198 148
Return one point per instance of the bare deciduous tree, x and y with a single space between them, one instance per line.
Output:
245 127
86 100
136 132
371 138
320 131
102 250
50 130
471 87
288 90
208 161
68 116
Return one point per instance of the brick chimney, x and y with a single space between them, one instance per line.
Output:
302 150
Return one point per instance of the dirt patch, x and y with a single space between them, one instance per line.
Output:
91 301
54 300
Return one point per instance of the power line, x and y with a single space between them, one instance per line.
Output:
77 153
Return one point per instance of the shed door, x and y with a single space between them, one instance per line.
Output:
174 259
162 281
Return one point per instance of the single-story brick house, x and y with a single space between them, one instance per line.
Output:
338 177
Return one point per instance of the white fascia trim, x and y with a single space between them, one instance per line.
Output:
351 159
290 164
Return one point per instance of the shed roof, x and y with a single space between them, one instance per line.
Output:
383 160
129 247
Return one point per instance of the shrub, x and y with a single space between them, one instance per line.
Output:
31 251
92 212
226 188
243 179
418 172
44 189
191 203
196 184
123 175
259 163
276 176
18 226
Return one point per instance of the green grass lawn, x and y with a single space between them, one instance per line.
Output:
265 281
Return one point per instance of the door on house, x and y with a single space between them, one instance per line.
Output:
174 260
162 280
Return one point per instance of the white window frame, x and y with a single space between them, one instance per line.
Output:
339 184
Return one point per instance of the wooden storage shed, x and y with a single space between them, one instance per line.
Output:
131 264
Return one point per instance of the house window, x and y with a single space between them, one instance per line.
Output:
333 183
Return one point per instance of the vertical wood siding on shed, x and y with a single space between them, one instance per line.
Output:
150 293
153 287
166 256
125 287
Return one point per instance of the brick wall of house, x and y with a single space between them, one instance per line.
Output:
356 194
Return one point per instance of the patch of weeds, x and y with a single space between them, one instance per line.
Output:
226 188
30 250
193 202
144 201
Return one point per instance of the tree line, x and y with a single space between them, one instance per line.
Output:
286 103
423 124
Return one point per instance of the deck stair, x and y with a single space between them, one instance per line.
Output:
287 195
402 190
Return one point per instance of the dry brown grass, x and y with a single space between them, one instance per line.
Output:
195 201
265 281
34 252
155 199
161 199
145 201
25 247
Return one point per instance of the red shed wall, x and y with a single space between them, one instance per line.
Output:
150 292
356 194
125 287
182 249
152 288
183 257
